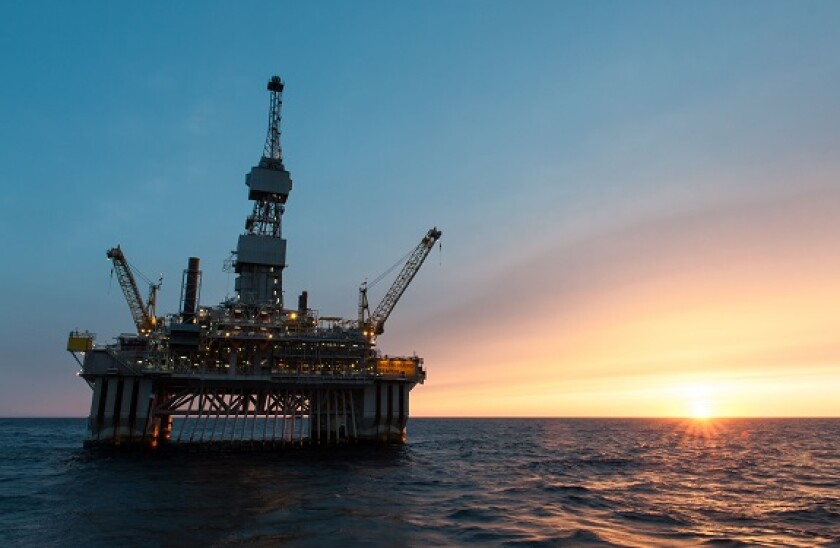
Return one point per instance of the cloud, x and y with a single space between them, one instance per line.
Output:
734 289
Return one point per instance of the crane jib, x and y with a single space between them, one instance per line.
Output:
409 270
139 312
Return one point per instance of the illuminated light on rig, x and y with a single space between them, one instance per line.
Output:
184 350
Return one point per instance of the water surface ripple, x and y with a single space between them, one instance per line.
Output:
503 482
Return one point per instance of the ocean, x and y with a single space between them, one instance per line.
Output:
495 482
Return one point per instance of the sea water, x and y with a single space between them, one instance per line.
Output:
498 482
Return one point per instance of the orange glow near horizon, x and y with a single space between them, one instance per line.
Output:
704 361
745 326
700 410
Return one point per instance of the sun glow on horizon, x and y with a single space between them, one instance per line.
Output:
698 401
700 410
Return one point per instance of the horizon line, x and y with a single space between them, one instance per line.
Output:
536 417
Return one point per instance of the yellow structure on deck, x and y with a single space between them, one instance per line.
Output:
80 342
397 367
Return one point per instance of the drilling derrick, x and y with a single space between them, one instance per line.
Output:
261 250
249 372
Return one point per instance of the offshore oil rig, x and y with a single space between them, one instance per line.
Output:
249 372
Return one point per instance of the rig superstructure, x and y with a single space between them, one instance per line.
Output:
249 372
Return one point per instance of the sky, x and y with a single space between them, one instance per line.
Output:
639 201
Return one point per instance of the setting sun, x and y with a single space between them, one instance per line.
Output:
697 400
700 410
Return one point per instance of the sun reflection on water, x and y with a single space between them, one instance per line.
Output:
698 429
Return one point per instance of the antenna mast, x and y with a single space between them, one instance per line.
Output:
273 154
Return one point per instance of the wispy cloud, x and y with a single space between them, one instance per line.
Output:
736 289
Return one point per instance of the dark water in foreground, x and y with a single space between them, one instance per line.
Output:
528 482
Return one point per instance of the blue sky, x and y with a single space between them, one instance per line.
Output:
525 130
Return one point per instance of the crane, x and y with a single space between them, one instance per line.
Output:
374 324
143 314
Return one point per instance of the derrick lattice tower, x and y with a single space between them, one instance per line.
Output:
261 250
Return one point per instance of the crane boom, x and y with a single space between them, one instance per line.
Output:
139 312
376 322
